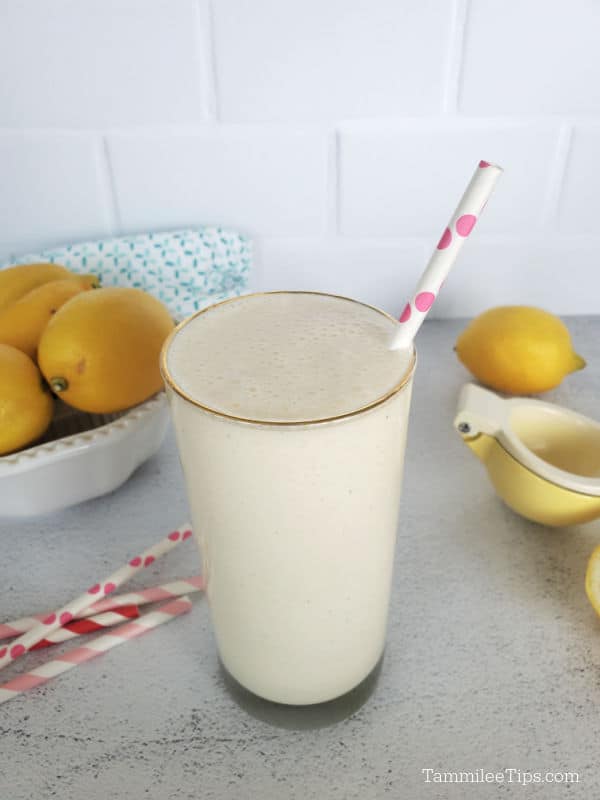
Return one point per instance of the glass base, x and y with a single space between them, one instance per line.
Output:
318 715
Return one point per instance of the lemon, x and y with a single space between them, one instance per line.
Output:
22 322
25 403
100 351
592 580
518 350
17 281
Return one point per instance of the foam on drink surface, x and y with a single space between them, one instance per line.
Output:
286 357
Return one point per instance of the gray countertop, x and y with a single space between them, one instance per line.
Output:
492 662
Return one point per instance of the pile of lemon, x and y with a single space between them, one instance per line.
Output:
62 335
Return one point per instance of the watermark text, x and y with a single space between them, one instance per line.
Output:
509 775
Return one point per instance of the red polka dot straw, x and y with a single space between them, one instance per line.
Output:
443 257
165 591
79 627
105 587
93 649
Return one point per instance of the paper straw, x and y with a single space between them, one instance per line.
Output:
153 594
61 616
79 655
442 260
79 627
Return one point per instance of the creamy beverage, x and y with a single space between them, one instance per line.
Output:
291 414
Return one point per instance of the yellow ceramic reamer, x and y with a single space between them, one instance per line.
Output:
543 460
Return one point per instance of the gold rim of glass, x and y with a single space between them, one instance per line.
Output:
172 383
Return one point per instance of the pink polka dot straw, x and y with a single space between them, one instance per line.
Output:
63 615
80 627
95 648
442 260
165 591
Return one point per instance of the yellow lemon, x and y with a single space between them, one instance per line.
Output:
592 580
100 351
22 322
17 281
25 403
518 350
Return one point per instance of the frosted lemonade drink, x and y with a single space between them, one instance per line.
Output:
291 413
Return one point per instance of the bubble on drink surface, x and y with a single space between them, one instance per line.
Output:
287 357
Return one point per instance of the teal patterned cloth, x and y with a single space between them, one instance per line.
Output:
186 269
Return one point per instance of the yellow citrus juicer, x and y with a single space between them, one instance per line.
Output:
543 459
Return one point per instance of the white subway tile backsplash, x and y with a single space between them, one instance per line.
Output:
579 210
51 191
382 274
314 60
553 274
534 56
262 181
550 274
100 63
340 135
405 180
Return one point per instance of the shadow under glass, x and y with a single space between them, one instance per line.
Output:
319 715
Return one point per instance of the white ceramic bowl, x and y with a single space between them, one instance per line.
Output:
99 456
86 455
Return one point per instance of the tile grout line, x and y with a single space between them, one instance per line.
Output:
205 37
257 277
332 187
107 180
468 120
558 172
455 58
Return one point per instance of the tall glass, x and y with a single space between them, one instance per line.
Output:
296 524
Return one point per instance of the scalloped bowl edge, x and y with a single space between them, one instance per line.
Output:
84 465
